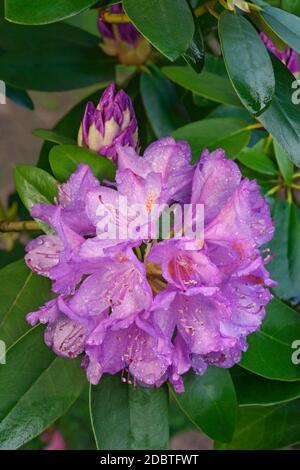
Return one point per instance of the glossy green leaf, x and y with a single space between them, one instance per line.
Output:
14 37
36 388
227 133
56 69
52 136
282 118
270 349
194 55
20 97
209 401
127 419
21 291
247 61
167 24
285 165
253 390
256 159
37 12
64 160
266 427
35 186
207 84
286 25
294 244
285 265
163 107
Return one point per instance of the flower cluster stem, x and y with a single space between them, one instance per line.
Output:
19 226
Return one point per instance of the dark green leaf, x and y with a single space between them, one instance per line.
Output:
52 136
36 388
210 403
282 118
270 348
285 265
247 61
209 85
36 12
256 159
56 69
128 419
20 97
21 291
167 24
194 55
15 37
35 186
266 427
64 160
228 133
164 109
285 165
254 390
291 6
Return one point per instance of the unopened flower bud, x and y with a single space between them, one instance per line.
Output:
112 123
123 40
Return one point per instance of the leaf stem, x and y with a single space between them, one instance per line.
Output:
114 18
19 226
274 190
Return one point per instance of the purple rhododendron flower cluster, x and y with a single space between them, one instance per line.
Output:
154 309
289 56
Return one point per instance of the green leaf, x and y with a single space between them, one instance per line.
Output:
35 186
285 265
36 12
254 390
286 25
56 69
209 402
270 349
167 24
36 388
52 136
164 109
20 97
294 244
21 291
128 419
282 118
247 61
15 37
255 159
228 133
194 55
208 84
266 427
285 165
291 6
64 160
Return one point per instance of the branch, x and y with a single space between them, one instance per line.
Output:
19 226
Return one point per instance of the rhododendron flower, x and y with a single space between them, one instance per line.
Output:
112 123
122 40
289 56
152 309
